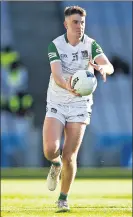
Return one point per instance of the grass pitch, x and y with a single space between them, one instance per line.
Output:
88 198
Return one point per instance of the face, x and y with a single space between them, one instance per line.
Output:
75 25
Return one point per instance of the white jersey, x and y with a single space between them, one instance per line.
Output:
72 58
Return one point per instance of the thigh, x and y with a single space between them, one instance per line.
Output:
55 111
52 132
74 133
79 115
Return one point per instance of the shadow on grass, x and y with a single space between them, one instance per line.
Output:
62 211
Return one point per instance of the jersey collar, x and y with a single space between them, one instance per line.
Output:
66 39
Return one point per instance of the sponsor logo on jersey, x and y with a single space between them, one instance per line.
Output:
63 56
75 56
98 50
52 55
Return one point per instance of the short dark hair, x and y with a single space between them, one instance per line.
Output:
74 10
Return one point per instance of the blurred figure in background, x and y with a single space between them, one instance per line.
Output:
67 54
8 56
15 101
17 79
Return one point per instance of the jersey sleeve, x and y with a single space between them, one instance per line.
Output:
53 53
96 50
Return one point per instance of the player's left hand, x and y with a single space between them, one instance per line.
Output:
100 69
70 89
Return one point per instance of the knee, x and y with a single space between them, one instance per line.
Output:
48 154
69 159
51 153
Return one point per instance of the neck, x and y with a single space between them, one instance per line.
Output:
73 41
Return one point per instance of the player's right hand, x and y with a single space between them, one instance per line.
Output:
100 69
69 88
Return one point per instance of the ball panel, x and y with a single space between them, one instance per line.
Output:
84 82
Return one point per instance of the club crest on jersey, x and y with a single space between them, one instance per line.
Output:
84 54
53 110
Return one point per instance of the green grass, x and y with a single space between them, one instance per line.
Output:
88 198
36 173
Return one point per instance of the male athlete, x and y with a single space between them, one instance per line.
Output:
66 110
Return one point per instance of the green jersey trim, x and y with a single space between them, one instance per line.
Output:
53 52
66 39
96 50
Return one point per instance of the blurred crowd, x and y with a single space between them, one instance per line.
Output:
16 108
108 139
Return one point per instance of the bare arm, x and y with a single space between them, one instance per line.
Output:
56 69
103 65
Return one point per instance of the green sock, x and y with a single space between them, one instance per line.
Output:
63 196
57 164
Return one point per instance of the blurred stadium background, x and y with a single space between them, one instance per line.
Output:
26 30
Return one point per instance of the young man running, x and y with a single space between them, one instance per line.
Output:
66 110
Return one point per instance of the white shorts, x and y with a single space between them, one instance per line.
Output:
69 113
